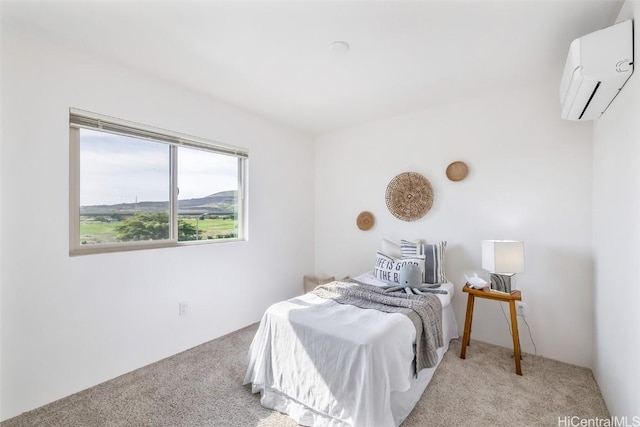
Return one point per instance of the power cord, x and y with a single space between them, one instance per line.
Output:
535 349
506 320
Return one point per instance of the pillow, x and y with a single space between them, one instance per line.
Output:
410 249
391 248
388 268
434 263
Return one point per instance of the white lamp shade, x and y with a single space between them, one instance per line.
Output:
503 256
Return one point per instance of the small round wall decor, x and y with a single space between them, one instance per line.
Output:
457 171
409 196
365 221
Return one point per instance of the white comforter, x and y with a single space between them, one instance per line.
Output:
329 364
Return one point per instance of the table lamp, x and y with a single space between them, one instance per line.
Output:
503 259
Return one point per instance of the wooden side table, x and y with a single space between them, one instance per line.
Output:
486 293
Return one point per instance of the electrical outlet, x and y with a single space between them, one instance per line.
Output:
182 308
521 308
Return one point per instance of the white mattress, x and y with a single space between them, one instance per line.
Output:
329 364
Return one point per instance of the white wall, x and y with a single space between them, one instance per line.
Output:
1 237
529 180
68 323
616 230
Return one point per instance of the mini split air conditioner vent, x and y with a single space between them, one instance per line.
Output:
589 101
597 67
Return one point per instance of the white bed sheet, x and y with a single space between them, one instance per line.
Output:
330 364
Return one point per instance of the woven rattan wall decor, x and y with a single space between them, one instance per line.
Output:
457 171
365 221
409 196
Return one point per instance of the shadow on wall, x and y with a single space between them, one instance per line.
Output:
459 262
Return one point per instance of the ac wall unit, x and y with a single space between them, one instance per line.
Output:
597 67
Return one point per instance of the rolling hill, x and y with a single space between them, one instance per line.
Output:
223 202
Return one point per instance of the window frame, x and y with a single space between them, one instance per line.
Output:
80 119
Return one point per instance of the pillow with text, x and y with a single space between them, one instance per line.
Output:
388 268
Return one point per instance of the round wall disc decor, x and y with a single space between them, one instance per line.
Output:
365 221
409 196
457 171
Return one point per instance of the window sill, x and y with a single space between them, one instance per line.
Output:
140 246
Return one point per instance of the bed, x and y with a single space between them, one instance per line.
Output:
329 364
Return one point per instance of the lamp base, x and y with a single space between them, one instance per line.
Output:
501 282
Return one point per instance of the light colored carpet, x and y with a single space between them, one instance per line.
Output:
203 387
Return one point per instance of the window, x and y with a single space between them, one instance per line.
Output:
136 187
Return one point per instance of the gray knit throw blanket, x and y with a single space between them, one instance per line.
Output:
425 311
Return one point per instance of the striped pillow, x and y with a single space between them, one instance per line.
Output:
434 263
410 249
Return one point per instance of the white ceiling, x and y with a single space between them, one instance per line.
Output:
273 58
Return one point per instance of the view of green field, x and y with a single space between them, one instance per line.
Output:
94 230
